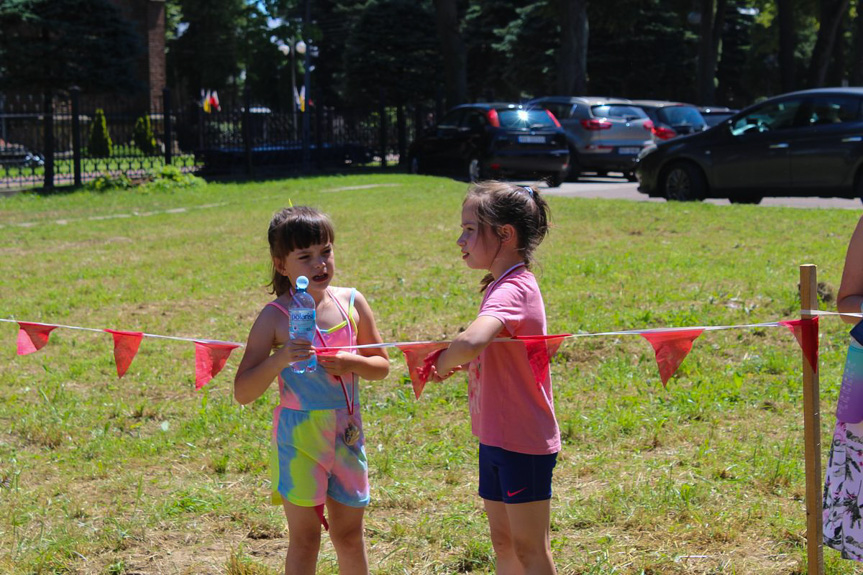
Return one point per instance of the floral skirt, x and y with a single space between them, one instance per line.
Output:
843 484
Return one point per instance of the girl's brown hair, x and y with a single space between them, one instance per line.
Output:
499 203
292 229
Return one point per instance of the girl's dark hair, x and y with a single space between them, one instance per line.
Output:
499 203
292 229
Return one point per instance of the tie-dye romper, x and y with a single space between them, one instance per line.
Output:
843 478
310 459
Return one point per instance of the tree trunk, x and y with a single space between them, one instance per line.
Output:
787 43
573 47
453 51
832 14
857 56
708 49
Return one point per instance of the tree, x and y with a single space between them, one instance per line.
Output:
572 60
655 59
832 14
710 34
99 144
391 35
452 50
857 57
205 54
787 43
142 135
732 73
47 45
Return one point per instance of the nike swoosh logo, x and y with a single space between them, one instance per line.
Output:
514 493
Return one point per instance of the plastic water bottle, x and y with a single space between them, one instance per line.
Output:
302 311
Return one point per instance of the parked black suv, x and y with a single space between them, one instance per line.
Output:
479 141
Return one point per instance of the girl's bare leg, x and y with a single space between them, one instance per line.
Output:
346 533
522 533
304 539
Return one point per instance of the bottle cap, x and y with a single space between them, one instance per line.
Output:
302 282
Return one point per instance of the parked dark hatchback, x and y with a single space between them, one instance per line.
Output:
716 114
672 119
479 141
807 143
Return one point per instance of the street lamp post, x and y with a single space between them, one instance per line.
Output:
307 78
290 50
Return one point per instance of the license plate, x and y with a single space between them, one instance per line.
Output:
628 151
531 139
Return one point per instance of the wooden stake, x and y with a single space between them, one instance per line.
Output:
812 432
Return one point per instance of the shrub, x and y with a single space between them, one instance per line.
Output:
100 144
171 177
105 183
142 135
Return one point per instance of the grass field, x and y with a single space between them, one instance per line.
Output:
146 475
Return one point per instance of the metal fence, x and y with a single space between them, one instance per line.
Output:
45 140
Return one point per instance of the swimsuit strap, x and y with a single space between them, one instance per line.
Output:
279 307
348 315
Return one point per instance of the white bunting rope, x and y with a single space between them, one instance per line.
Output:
503 340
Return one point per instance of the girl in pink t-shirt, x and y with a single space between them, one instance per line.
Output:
512 414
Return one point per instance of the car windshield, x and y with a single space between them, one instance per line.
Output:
680 115
524 119
771 116
618 111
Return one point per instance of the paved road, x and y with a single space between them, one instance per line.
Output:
618 188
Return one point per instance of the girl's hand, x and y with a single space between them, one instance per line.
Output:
439 377
295 350
337 363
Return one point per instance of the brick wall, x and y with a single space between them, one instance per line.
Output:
148 19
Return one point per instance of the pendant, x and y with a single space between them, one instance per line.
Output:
352 434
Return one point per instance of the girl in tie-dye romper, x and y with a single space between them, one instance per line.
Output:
318 456
843 481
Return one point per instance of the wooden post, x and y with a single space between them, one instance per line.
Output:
812 432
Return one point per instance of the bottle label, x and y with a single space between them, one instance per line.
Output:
302 323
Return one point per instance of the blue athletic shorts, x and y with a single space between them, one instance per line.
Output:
514 477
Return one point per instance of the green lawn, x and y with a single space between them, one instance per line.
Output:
147 475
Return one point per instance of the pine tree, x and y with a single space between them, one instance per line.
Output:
100 144
142 135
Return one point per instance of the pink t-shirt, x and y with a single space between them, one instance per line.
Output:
508 407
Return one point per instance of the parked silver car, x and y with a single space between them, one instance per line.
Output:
604 134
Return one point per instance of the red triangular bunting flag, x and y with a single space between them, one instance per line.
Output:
806 332
319 509
420 357
210 358
540 350
671 349
33 336
126 344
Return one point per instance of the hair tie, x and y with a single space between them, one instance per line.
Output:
529 190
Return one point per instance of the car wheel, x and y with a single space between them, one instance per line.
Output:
554 180
414 165
858 185
746 198
574 166
683 182
474 170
